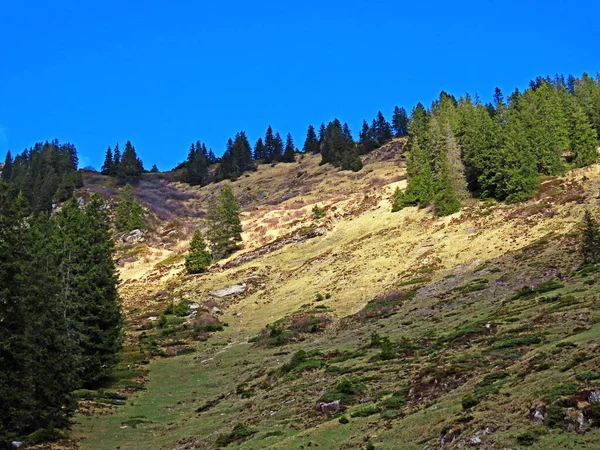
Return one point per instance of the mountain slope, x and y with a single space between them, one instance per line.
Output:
487 331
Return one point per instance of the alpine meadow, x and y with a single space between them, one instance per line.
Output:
341 272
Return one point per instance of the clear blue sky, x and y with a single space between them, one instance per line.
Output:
166 73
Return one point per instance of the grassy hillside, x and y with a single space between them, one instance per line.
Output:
477 329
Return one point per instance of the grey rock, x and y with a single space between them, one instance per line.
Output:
231 290
216 311
195 306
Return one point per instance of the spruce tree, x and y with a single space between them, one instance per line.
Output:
584 140
289 154
154 169
311 144
270 149
129 214
400 122
88 285
365 139
259 150
7 168
277 148
224 225
37 353
131 168
590 244
107 167
117 160
198 257
421 183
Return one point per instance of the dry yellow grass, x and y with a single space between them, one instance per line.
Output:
366 250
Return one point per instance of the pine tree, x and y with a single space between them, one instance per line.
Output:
421 183
154 169
382 131
7 168
198 257
451 186
517 177
212 159
365 139
129 213
590 244
100 312
107 167
224 226
89 286
289 154
117 160
584 141
311 144
400 122
270 150
277 148
259 150
37 355
131 168
197 172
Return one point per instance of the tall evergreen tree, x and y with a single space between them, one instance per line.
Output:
116 161
277 148
311 144
129 214
37 354
590 244
7 168
366 141
198 257
382 131
584 140
89 286
259 150
107 167
131 168
270 145
451 185
224 225
197 172
421 182
400 122
289 154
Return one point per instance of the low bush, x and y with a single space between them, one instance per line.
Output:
240 432
365 412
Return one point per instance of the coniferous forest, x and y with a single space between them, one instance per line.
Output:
59 307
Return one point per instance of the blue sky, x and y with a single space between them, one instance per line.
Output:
164 74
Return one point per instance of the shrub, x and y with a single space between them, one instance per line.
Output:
207 324
180 309
365 412
469 401
588 376
343 420
346 390
396 401
44 435
555 416
519 341
528 438
318 213
239 432
560 390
